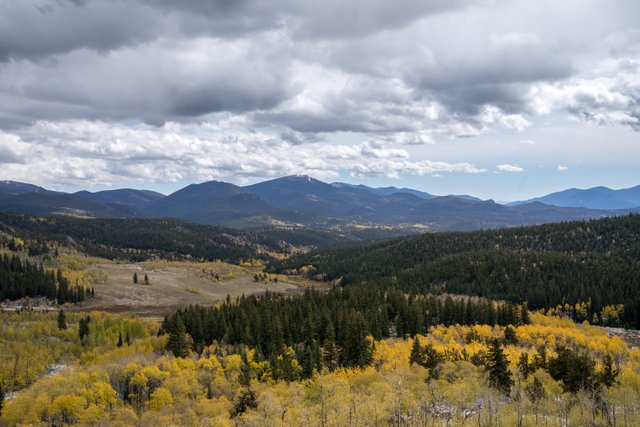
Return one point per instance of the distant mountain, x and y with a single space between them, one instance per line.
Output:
592 198
295 201
51 203
13 188
124 196
383 191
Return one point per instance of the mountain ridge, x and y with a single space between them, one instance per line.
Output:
301 200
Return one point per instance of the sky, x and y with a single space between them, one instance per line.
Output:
500 99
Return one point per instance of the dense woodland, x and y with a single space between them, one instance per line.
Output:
20 279
548 372
143 239
328 329
546 265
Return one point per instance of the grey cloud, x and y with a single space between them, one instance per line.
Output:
337 19
421 68
155 83
31 29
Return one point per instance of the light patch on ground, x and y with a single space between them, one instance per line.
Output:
175 284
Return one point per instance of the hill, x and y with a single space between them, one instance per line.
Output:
546 265
592 198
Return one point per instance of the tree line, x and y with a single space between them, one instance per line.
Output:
326 329
20 279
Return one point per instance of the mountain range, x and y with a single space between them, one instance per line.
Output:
304 201
592 198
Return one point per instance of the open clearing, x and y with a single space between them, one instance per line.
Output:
174 285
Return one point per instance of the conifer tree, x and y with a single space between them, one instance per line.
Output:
62 320
83 327
417 353
177 343
135 278
609 374
120 339
497 366
524 366
127 338
146 279
510 336
330 351
246 400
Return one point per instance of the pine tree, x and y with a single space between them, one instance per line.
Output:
417 353
177 343
330 351
135 278
510 336
62 320
246 400
497 366
127 338
524 366
432 359
609 374
120 340
146 279
83 327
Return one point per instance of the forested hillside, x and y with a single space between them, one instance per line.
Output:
595 262
142 239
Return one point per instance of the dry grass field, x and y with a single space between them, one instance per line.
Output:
176 284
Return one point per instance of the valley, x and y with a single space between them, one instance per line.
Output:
167 322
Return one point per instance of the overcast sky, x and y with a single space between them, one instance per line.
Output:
502 99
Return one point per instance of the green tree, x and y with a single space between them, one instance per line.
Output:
135 278
524 366
608 374
510 337
497 366
417 353
177 343
330 351
62 320
146 279
576 371
246 400
120 339
83 327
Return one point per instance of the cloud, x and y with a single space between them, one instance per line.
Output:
81 153
305 77
512 168
561 168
